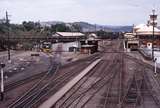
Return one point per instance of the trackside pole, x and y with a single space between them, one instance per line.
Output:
2 81
155 67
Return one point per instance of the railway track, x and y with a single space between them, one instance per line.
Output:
132 95
35 88
84 96
113 93
31 92
116 97
150 89
141 62
78 86
118 94
13 85
102 75
139 89
49 85
52 87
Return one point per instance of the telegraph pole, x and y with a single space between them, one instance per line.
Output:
2 81
153 23
95 29
7 23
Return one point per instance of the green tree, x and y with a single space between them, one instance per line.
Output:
60 28
28 25
3 28
77 27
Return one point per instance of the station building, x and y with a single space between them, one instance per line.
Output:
68 36
145 36
131 42
76 41
142 35
90 45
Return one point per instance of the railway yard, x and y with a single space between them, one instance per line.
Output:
110 78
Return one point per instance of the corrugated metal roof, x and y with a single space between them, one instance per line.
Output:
70 34
140 26
87 46
148 30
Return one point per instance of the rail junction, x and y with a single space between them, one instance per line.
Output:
110 78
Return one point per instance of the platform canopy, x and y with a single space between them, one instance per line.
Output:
148 30
93 36
129 35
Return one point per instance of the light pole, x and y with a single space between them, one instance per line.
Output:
7 23
153 24
2 81
155 66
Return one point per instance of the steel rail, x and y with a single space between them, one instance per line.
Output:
103 84
86 79
36 96
81 95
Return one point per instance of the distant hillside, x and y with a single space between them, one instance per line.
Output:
49 23
120 28
91 27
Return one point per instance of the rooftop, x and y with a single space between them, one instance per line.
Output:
70 34
148 30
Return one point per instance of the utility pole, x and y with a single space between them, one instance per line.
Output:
7 23
2 81
95 29
155 67
153 24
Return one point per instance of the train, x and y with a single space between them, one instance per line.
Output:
47 47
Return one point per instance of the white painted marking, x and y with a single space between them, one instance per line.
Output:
51 101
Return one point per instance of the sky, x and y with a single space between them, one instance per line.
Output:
104 12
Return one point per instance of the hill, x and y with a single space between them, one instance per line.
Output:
90 27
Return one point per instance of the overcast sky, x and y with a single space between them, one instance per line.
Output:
106 12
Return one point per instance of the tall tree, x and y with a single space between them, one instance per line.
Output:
60 28
28 25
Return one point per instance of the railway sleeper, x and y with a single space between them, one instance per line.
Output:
135 101
110 100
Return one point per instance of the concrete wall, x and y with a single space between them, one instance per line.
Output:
65 46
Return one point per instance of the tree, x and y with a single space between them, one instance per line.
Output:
60 28
3 28
77 27
28 25
107 35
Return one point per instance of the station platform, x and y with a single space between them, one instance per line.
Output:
52 100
